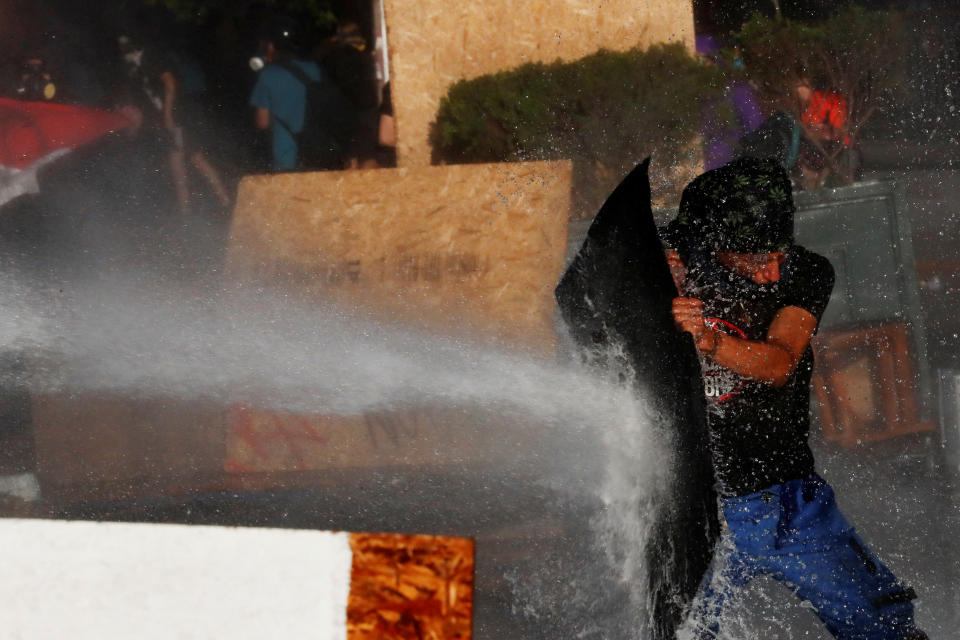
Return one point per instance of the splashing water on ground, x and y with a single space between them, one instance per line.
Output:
597 452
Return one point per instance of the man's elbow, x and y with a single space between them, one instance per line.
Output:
781 379
261 119
782 366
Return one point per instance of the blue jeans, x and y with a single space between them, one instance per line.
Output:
795 533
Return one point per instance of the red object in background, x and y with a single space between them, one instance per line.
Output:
827 108
29 131
33 134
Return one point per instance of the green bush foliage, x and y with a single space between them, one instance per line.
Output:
858 53
606 112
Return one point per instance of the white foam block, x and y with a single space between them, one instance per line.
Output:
91 580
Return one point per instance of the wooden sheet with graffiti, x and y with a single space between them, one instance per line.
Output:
477 247
469 250
266 440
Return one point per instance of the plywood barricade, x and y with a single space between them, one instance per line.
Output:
434 43
114 447
468 248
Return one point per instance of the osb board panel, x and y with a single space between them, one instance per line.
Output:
434 43
410 587
271 441
102 440
479 247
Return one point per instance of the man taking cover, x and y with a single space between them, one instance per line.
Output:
752 300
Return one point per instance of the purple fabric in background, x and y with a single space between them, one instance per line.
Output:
745 106
720 141
707 45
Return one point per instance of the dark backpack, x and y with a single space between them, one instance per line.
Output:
355 73
778 137
328 125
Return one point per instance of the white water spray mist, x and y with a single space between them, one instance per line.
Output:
134 337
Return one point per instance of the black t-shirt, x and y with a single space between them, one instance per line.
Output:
759 432
143 86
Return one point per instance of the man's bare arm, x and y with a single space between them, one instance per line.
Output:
261 118
772 360
169 82
677 270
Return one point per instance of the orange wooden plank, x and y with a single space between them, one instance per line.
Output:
410 587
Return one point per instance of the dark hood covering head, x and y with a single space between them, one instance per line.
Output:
745 206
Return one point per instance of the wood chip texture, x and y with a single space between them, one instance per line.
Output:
472 250
410 587
478 248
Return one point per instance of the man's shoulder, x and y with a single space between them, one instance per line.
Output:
309 66
269 75
809 280
808 263
277 77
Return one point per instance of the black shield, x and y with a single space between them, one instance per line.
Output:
618 290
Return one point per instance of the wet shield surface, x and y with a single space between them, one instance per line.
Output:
618 292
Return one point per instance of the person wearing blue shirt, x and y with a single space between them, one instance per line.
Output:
280 99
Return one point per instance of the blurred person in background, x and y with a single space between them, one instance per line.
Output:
348 62
60 64
152 99
823 118
30 78
280 100
386 131
721 137
809 123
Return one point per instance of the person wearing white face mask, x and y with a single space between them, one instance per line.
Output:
154 104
